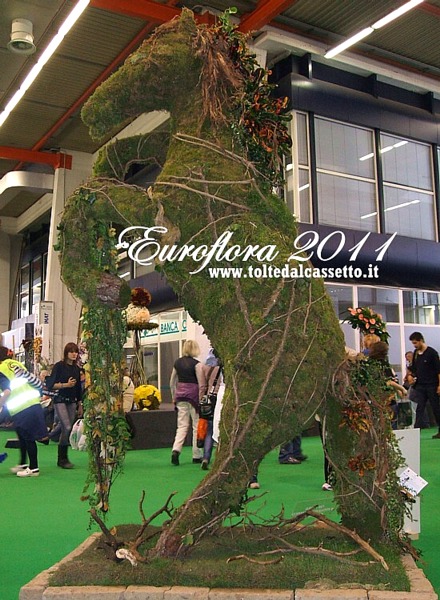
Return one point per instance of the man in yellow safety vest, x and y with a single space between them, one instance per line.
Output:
20 403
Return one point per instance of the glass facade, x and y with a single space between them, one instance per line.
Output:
404 311
351 190
408 187
30 286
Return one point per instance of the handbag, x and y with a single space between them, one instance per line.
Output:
404 414
209 400
202 429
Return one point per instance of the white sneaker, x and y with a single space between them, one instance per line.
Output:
28 472
18 468
327 487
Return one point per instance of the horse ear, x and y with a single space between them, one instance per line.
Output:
187 20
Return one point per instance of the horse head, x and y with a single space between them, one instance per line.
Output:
166 73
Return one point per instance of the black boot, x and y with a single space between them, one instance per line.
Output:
63 461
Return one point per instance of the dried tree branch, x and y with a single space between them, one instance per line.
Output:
354 536
254 561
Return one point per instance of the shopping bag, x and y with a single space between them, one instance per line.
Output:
77 439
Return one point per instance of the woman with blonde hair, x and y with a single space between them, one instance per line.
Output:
368 340
185 380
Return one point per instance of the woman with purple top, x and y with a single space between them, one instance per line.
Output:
185 380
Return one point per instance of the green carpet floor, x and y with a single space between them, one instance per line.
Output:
43 519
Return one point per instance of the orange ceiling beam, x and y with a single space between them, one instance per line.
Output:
264 13
144 9
429 8
58 160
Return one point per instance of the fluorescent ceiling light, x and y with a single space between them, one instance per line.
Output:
402 143
303 187
377 25
357 37
396 145
367 156
396 13
369 215
71 19
403 205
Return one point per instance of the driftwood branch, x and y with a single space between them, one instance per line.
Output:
111 542
319 551
140 535
354 536
255 561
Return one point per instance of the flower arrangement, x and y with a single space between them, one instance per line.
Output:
147 397
368 321
137 313
37 347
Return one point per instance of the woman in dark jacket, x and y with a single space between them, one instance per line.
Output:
66 380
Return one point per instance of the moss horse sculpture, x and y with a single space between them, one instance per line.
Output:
279 338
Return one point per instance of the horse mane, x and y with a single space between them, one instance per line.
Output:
220 79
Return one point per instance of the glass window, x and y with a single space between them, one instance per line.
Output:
36 281
430 334
124 267
395 351
406 163
297 171
169 353
347 202
384 301
302 139
43 289
150 364
421 307
344 149
409 212
305 212
24 291
342 299
143 269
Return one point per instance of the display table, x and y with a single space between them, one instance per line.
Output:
154 428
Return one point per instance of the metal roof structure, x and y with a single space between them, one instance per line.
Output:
47 119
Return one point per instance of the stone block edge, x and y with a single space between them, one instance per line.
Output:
420 585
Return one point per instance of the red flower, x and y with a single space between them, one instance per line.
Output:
140 297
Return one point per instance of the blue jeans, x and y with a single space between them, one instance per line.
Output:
291 449
209 442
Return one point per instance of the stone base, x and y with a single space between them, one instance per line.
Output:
39 589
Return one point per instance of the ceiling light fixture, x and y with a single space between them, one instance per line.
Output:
22 37
71 19
377 25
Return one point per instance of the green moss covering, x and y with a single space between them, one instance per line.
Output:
280 340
